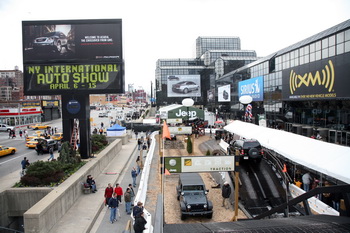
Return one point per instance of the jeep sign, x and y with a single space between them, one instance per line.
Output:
186 112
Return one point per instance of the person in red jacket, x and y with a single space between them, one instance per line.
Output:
108 193
119 191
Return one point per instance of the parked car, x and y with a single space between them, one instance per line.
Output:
192 194
185 87
249 149
4 127
53 40
103 114
7 150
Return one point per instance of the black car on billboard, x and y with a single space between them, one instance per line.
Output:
185 87
54 41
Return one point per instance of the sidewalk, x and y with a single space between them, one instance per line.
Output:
83 214
102 223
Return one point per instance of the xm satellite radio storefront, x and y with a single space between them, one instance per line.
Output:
318 94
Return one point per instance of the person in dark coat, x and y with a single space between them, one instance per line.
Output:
137 209
226 192
113 205
140 223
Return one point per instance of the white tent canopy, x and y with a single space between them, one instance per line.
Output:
327 158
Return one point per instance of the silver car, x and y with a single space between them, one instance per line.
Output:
52 40
185 87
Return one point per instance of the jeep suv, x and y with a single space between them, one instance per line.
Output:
249 149
192 195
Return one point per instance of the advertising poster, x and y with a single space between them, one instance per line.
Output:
253 87
83 56
211 96
224 93
324 79
184 85
200 164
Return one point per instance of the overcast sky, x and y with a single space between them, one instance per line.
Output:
155 29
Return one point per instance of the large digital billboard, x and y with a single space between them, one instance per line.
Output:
184 85
253 87
224 93
324 79
83 56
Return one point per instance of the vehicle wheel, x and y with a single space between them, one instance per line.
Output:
178 198
59 47
210 216
253 153
183 217
12 152
185 91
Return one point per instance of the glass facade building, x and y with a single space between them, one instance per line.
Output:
305 86
215 57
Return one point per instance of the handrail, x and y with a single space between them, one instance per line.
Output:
303 198
10 230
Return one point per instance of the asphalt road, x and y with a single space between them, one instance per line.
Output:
12 163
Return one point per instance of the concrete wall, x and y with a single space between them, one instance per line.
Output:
44 214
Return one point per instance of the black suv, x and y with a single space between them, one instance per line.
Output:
192 195
46 144
249 149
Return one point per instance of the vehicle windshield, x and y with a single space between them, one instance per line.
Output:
193 193
251 144
192 187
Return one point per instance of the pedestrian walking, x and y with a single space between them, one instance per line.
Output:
137 209
108 193
136 133
13 134
127 199
10 133
52 157
306 178
59 146
113 205
119 191
140 223
132 194
226 192
102 124
24 164
20 133
139 144
134 175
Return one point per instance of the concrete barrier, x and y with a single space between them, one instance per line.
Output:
48 211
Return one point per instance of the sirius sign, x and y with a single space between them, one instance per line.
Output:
253 87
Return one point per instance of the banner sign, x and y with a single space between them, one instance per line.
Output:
224 93
180 130
186 113
92 78
174 121
324 79
253 87
184 86
200 164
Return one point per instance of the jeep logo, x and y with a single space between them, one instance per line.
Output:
185 113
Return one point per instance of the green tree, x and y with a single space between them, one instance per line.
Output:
67 155
189 145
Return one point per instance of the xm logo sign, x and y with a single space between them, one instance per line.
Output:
324 77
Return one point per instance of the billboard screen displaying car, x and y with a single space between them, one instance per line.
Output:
184 85
224 93
61 56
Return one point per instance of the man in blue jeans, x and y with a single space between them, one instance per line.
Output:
134 175
127 199
113 204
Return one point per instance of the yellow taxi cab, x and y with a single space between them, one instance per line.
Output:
57 136
39 126
32 143
37 134
4 150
